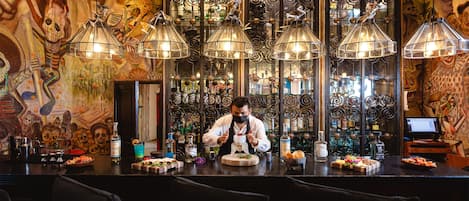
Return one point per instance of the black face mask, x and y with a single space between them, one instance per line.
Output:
240 119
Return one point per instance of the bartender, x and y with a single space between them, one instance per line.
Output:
240 124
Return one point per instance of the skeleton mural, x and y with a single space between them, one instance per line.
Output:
11 60
54 24
35 99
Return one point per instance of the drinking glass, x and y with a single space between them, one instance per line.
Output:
139 150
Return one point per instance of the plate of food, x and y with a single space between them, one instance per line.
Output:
418 162
79 161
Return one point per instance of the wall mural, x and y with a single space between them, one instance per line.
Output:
50 95
439 87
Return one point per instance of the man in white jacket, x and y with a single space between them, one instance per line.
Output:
238 129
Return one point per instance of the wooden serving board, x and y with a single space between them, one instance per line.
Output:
370 166
240 159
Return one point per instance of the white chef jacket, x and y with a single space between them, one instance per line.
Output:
222 125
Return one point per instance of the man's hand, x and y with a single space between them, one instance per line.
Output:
222 139
253 140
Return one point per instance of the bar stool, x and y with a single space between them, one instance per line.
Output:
68 189
303 189
4 196
187 189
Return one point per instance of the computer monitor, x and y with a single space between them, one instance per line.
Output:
422 128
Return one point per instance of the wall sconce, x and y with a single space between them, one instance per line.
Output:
162 40
366 40
434 39
229 41
298 42
94 40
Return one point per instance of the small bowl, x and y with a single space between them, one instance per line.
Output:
296 164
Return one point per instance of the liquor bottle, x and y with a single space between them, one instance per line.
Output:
379 148
191 149
115 145
284 142
170 146
320 148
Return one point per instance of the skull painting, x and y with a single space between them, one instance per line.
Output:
101 133
82 139
55 23
4 67
50 133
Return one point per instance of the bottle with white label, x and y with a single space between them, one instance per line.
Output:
190 149
115 145
320 148
284 142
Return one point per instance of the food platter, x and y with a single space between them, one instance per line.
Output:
418 163
356 163
80 161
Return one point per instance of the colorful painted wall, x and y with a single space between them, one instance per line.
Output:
439 87
46 92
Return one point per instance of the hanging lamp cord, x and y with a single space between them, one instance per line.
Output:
298 15
232 16
159 16
371 11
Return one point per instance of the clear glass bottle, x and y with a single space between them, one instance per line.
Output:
284 142
115 145
320 148
170 145
379 148
191 149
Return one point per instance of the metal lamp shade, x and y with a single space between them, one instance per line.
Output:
229 42
434 39
366 40
163 42
94 40
297 43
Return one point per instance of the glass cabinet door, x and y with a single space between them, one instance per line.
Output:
363 104
281 92
201 89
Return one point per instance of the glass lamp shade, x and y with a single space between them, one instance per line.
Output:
163 42
229 42
94 40
434 39
297 43
366 40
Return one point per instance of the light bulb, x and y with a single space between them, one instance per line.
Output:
97 47
165 54
430 47
165 46
297 48
226 46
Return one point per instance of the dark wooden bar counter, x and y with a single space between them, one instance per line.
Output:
33 181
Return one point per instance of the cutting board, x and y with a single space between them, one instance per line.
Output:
240 159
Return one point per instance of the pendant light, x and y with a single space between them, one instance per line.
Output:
162 41
435 38
229 41
366 40
298 42
94 40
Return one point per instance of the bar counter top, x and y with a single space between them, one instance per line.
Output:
391 166
390 178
